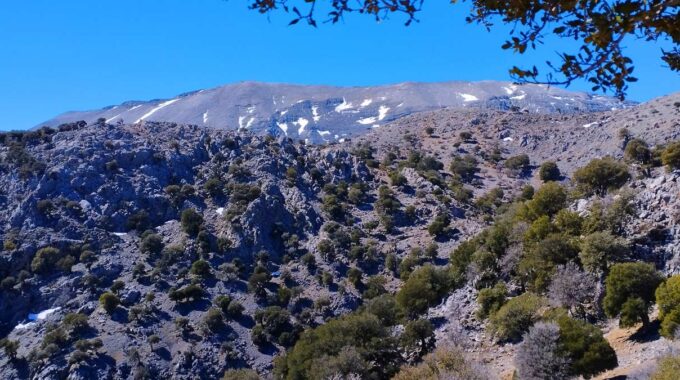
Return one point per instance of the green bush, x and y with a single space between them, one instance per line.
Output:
214 187
668 299
549 171
465 167
667 368
109 302
514 318
425 287
638 151
671 155
601 175
520 162
548 200
630 291
440 225
49 258
151 244
201 268
240 374
599 249
192 222
189 293
491 299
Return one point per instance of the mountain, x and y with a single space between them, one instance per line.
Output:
324 113
169 250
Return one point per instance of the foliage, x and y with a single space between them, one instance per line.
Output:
188 293
539 356
638 151
628 286
601 175
668 299
548 200
464 167
151 244
48 258
549 172
584 344
240 374
192 222
520 162
443 363
600 249
425 287
671 155
572 288
491 299
109 302
515 317
439 225
668 368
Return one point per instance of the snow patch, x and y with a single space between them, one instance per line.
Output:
367 120
120 234
509 90
283 126
247 125
284 112
135 107
468 97
220 211
375 126
343 106
366 102
323 133
591 124
315 114
153 111
382 112
205 117
36 317
112 119
519 97
302 122
508 139
251 109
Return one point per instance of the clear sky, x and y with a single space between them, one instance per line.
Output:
76 55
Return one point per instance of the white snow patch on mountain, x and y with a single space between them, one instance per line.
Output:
315 114
366 102
367 120
343 106
153 111
382 112
508 139
591 124
302 122
283 126
519 97
323 133
220 211
112 119
205 117
509 90
468 97
251 109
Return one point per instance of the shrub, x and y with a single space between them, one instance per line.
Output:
213 319
439 225
637 150
424 288
152 244
671 155
599 249
240 374
48 258
465 167
258 281
668 368
601 175
201 268
630 291
214 187
109 302
540 357
548 200
443 363
549 171
491 299
192 222
668 299
189 293
418 337
572 288
515 317
397 179
520 162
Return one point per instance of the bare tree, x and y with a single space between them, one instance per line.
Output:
539 357
572 288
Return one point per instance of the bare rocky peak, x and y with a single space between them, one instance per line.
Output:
325 113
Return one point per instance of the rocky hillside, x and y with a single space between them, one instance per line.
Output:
323 113
163 250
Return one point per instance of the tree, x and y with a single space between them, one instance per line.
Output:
601 29
539 356
444 363
153 340
201 268
151 244
191 221
10 347
601 175
439 225
418 337
638 151
668 368
671 155
520 162
491 299
548 200
630 291
549 172
668 299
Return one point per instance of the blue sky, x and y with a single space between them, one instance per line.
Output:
76 55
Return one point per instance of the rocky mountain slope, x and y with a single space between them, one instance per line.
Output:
324 113
163 250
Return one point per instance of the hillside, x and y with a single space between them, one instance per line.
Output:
190 250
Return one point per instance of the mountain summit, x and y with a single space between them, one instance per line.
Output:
326 113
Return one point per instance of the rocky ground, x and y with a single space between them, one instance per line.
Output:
94 192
